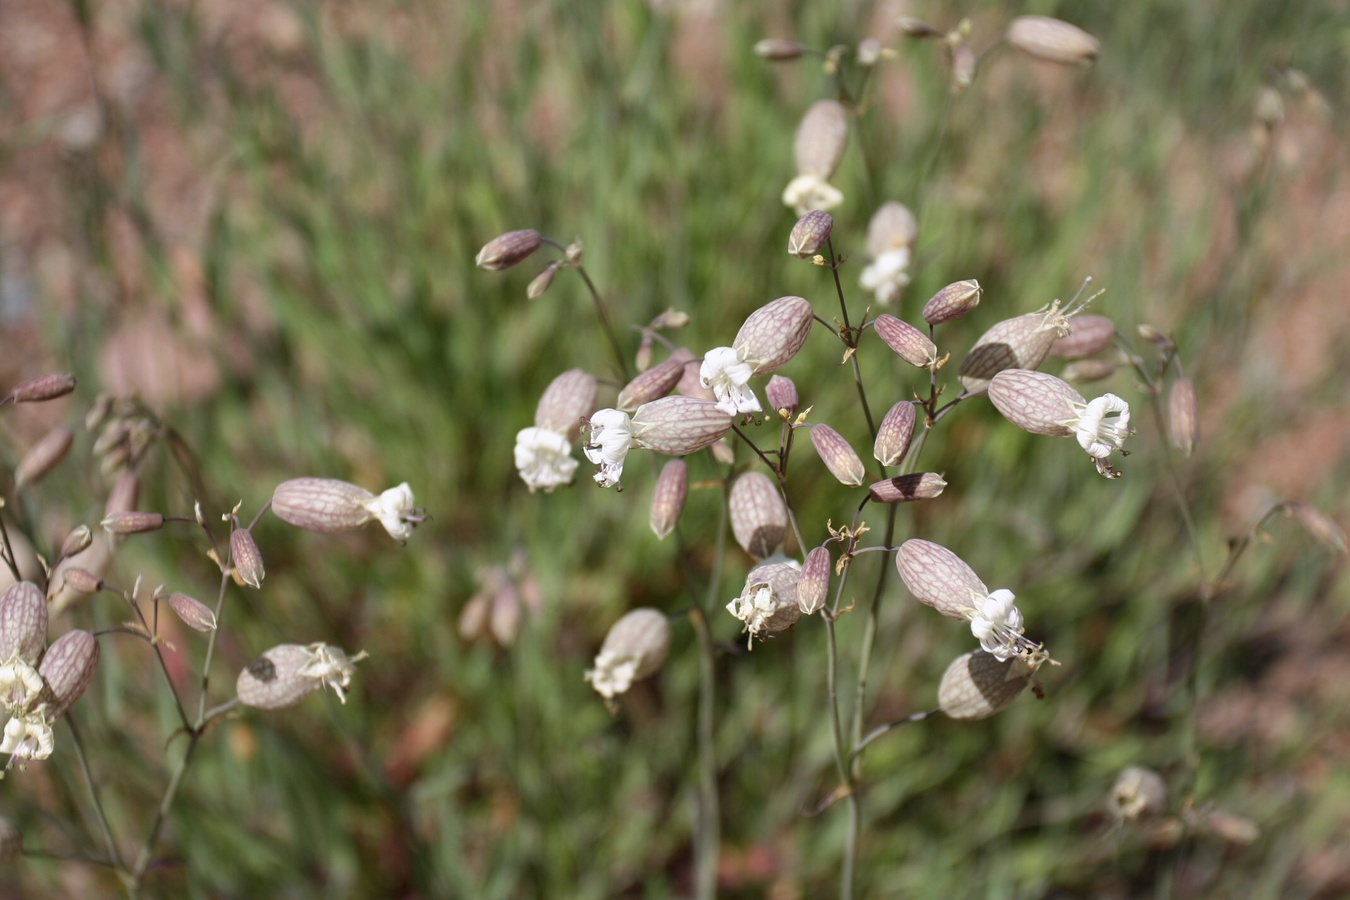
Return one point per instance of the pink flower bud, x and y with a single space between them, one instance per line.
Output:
907 488
23 622
952 302
837 455
132 522
650 385
891 227
81 580
1036 402
540 283
774 333
1052 40
193 613
821 138
810 234
44 456
325 505
978 684
248 562
1019 343
565 402
1183 423
782 395
77 541
813 586
962 60
778 49
916 28
908 342
506 250
895 433
67 667
938 577
678 426
124 494
672 486
1088 336
44 387
759 519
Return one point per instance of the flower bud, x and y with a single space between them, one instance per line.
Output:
895 433
953 302
1321 526
44 456
773 334
782 395
1183 424
915 28
642 359
650 385
690 384
1018 343
325 505
67 667
79 538
838 456
124 494
961 58
132 522
821 138
891 227
678 426
98 413
541 282
1085 371
907 488
248 562
77 579
635 647
908 342
810 234
1036 402
937 577
779 49
506 250
813 586
1052 40
870 51
759 518
672 486
23 622
565 402
1154 335
978 684
274 680
194 613
1138 794
1088 336
44 387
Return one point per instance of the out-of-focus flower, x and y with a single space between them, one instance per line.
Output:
1183 420
505 594
809 192
821 138
810 234
43 387
43 457
565 402
727 375
768 602
1087 336
506 250
887 275
544 459
778 49
287 673
1138 794
1043 404
978 684
634 648
1053 40
891 234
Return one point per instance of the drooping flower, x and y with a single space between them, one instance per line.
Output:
808 192
611 436
396 512
287 673
727 375
887 275
1043 404
768 602
544 459
635 647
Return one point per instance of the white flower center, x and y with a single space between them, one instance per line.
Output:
727 376
611 436
613 673
394 508
1103 426
887 274
544 459
809 192
997 623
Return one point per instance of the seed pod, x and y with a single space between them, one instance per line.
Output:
937 577
44 387
977 685
759 518
1052 40
23 622
67 667
779 49
44 456
132 522
678 426
810 234
194 613
895 433
838 456
541 282
782 395
891 227
248 562
650 385
952 302
506 250
274 679
1036 402
773 334
1138 794
325 505
1183 424
813 587
1088 336
821 139
907 488
672 486
908 342
567 399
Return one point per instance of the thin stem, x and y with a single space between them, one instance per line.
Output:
94 800
708 838
606 325
842 764
162 812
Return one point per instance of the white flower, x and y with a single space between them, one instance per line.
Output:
613 674
330 666
768 602
394 508
810 192
997 623
727 376
611 436
887 274
28 736
19 684
544 459
1097 432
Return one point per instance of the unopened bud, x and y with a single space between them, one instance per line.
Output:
506 250
1183 423
678 426
953 302
908 342
813 587
978 684
961 57
759 518
821 138
773 334
1088 336
916 28
194 613
1138 794
248 562
75 542
779 49
98 413
1084 371
650 385
567 399
67 667
839 457
44 387
672 486
44 456
1154 335
907 488
1052 40
895 433
642 360
325 505
781 392
810 234
132 522
541 282
126 490
23 622
1321 526
81 580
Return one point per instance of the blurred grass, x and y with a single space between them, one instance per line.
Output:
354 178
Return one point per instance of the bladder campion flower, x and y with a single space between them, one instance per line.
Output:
768 602
286 674
890 238
727 375
544 459
634 648
1043 404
